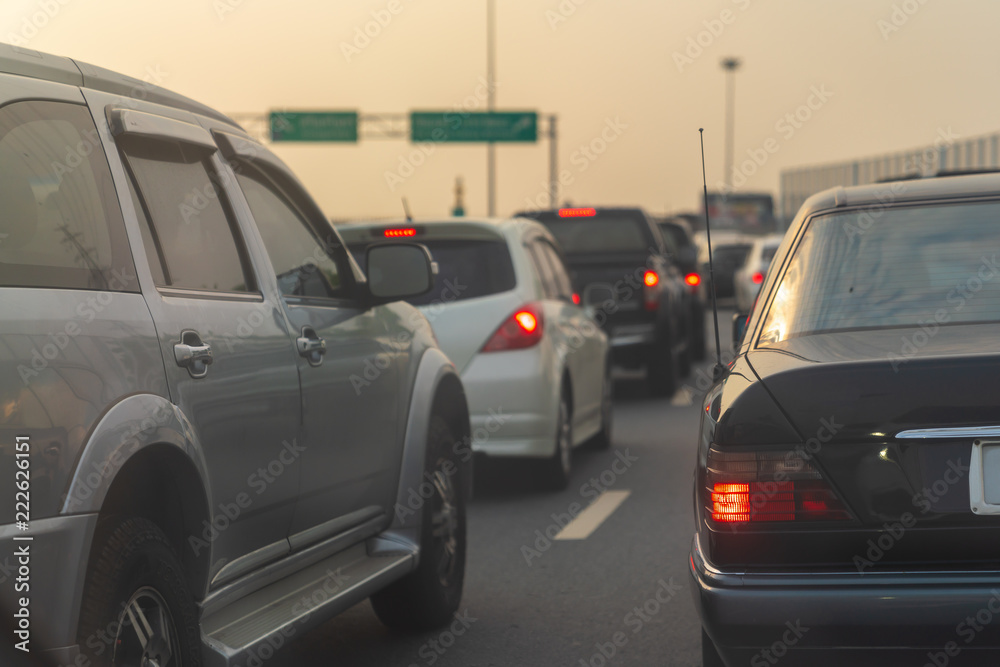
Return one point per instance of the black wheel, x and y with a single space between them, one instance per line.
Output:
684 361
661 372
709 655
603 438
557 467
428 597
137 608
698 342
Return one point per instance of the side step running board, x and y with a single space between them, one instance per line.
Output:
271 616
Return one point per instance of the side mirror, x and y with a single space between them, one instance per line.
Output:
739 328
399 270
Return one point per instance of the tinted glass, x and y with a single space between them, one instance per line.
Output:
188 222
674 237
910 266
730 256
601 234
466 269
767 253
302 261
60 225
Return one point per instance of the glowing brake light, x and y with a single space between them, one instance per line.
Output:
576 299
768 486
521 330
577 212
692 279
396 233
527 321
757 278
651 279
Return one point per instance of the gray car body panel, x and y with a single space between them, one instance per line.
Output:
117 364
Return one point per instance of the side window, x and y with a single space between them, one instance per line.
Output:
544 270
559 270
191 240
308 262
60 225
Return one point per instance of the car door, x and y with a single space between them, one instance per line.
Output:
587 347
347 363
225 344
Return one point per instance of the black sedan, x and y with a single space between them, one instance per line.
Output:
847 492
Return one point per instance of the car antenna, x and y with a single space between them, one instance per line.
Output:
719 369
406 210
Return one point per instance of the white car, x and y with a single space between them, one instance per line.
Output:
535 366
749 277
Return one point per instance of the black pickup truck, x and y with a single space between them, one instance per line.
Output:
621 269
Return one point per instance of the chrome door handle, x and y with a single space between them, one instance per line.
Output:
191 353
311 346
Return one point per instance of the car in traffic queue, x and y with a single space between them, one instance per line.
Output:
729 252
179 332
683 249
847 484
750 276
619 264
535 367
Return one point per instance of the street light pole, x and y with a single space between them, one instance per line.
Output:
730 65
491 156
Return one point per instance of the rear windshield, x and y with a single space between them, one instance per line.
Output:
730 255
907 267
767 253
466 269
675 234
600 234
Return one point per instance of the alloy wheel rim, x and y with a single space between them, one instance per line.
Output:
146 635
445 524
564 437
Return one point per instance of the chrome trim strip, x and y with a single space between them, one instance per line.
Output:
183 293
957 432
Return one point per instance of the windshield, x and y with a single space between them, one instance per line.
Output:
466 269
599 235
907 267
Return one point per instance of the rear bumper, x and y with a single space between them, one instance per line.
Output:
513 403
840 618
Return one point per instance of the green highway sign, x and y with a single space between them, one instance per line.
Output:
474 126
314 126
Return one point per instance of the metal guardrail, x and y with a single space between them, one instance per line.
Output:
949 152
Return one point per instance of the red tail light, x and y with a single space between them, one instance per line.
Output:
576 299
577 212
395 233
757 278
692 279
757 487
651 292
521 330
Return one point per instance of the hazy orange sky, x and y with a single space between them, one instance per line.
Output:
890 74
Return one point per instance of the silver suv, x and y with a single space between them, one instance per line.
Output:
215 431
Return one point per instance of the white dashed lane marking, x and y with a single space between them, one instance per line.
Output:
587 521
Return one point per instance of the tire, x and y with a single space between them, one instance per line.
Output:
709 654
136 579
428 597
661 372
603 438
698 343
557 468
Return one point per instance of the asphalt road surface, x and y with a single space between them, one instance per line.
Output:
616 594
